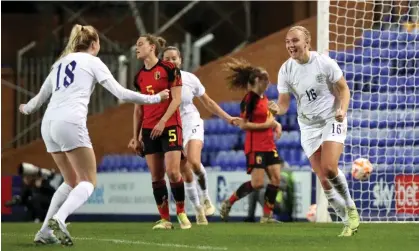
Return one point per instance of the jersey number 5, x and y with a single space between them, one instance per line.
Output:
150 89
172 135
69 75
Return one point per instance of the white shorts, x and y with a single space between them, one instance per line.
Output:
61 136
313 138
192 129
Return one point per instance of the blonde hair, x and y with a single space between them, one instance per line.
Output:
159 42
242 73
306 33
81 37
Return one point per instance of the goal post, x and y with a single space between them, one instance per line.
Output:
376 44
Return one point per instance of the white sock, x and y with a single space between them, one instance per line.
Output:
341 186
337 203
192 193
204 187
57 200
75 199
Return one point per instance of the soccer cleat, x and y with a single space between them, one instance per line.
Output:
225 210
184 221
347 231
209 207
60 230
163 224
353 218
45 239
268 219
201 219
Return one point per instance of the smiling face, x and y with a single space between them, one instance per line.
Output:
172 56
297 44
144 48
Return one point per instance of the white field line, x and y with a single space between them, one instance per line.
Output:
145 243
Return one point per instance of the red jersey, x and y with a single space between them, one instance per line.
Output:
255 109
164 75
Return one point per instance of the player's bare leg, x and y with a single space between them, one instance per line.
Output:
194 149
192 193
273 172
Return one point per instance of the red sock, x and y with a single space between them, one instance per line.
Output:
233 198
180 207
164 210
267 209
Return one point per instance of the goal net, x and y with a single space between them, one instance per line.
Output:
376 44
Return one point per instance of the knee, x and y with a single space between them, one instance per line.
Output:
173 174
195 165
328 171
257 184
187 175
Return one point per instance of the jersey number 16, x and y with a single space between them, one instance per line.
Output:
69 75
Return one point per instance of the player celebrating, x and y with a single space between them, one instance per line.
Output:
161 129
193 131
70 85
259 147
322 95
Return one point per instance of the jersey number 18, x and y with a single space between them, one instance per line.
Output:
69 75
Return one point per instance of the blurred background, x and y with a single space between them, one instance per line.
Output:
208 33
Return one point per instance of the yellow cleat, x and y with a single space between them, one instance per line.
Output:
201 219
163 224
353 218
225 210
347 232
184 221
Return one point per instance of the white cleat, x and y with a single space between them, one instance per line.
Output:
201 219
45 239
60 230
208 207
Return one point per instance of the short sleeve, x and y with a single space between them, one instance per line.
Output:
282 84
100 70
333 71
173 74
199 89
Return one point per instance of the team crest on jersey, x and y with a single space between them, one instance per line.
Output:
321 78
157 75
258 160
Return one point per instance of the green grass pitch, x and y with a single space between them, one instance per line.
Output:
218 236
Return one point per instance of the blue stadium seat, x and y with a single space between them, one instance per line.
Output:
272 92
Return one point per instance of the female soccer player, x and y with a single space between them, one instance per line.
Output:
259 147
193 131
70 85
161 129
322 95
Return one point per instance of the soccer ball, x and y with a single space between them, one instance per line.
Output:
311 214
361 169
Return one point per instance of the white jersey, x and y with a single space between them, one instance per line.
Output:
191 88
71 83
312 85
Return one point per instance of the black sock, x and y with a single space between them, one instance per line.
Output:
178 191
161 196
270 197
244 189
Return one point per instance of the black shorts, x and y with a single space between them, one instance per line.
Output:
262 160
170 140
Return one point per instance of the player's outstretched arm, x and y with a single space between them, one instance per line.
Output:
36 102
246 125
214 108
130 96
282 106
